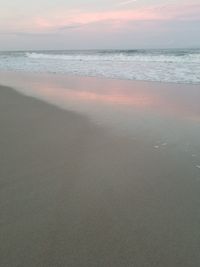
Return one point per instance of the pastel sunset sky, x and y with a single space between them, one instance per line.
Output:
86 24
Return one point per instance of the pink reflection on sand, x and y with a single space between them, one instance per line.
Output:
139 97
112 97
173 100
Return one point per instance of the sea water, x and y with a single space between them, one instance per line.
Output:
166 65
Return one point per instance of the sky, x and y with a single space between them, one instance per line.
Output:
99 24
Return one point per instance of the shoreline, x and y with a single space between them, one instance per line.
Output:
69 75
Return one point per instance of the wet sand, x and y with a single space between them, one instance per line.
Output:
75 194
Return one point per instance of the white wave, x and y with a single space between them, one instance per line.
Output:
123 57
76 57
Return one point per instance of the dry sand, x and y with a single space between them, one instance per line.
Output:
72 194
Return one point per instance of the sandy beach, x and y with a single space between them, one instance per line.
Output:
74 194
100 133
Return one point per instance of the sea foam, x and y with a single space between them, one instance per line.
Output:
179 66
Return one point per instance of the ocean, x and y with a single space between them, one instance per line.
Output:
166 65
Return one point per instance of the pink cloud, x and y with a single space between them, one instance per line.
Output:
115 19
84 18
186 11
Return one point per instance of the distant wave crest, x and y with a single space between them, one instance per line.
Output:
123 56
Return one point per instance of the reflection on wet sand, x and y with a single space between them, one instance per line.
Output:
174 100
135 100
